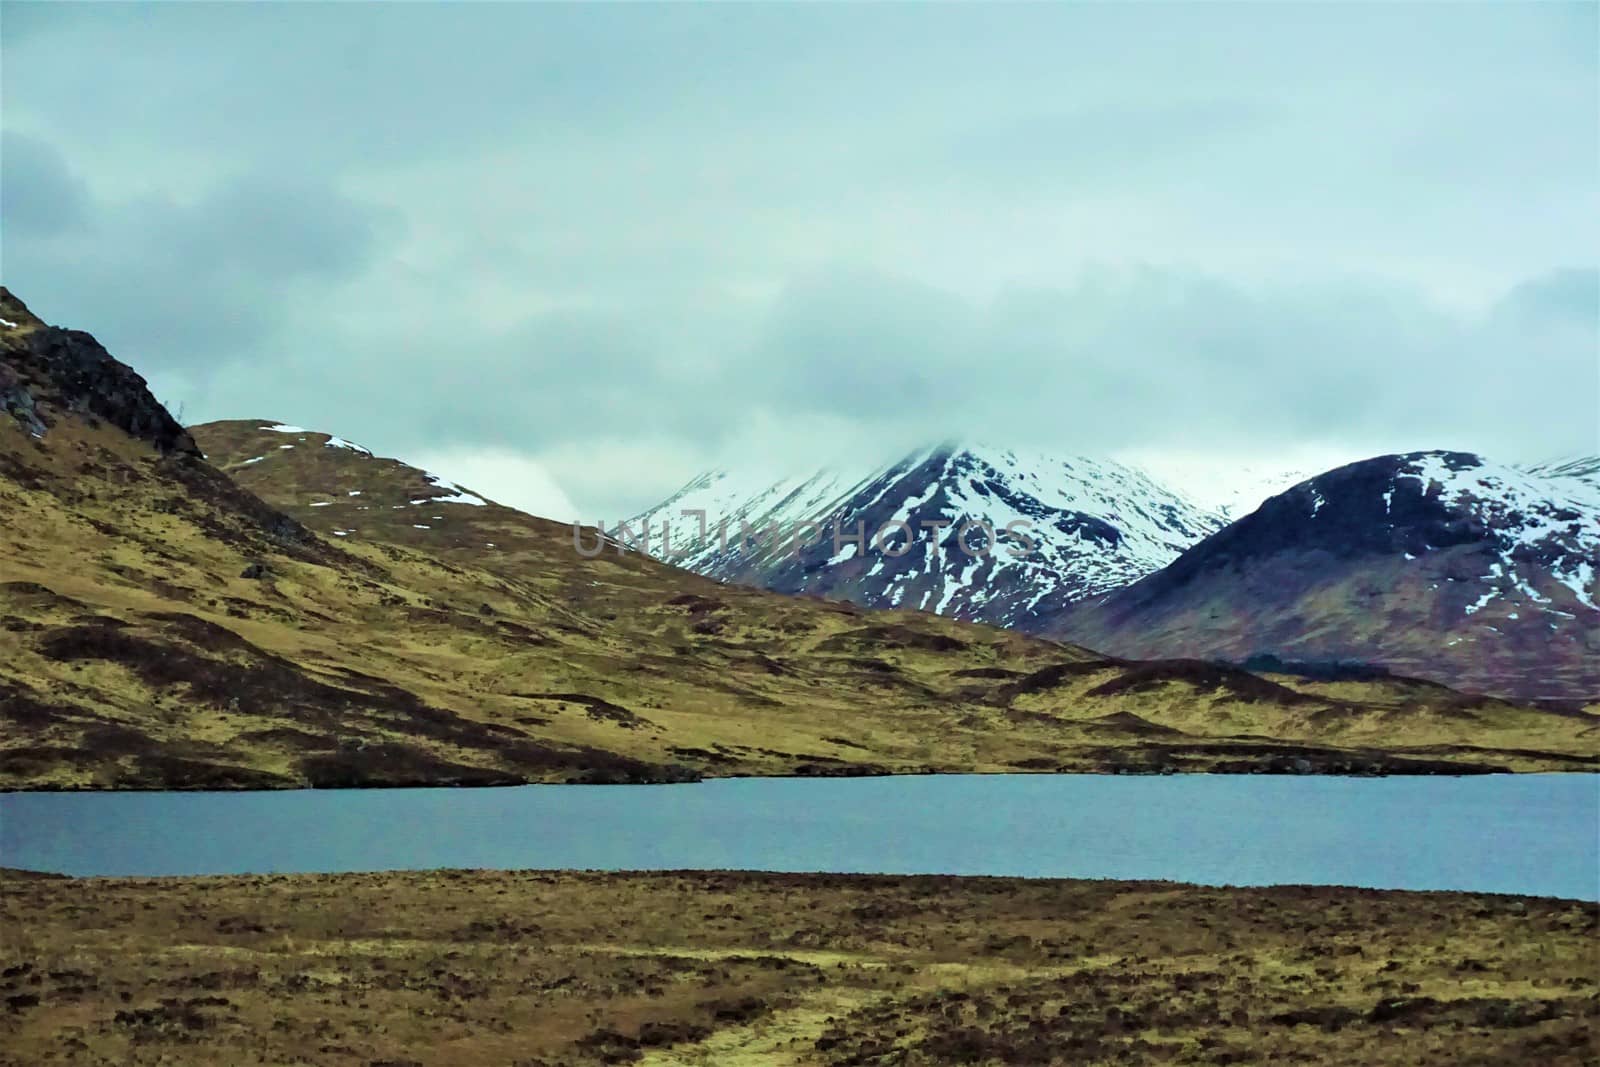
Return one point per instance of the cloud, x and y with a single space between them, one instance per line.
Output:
778 232
1175 358
181 285
504 476
39 194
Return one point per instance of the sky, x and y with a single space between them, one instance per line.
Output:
571 256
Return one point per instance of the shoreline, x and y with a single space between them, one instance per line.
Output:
756 873
1440 769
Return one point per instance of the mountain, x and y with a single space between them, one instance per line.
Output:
252 605
1064 528
1437 564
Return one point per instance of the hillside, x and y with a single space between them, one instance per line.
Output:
1065 528
1437 564
165 625
1077 706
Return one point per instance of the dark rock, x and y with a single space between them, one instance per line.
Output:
50 371
255 572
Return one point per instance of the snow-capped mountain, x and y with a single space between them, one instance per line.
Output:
974 532
1439 564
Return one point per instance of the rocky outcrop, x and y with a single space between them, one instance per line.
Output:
47 372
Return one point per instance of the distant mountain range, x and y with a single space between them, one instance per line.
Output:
1441 564
1064 529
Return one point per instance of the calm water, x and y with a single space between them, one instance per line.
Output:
1537 834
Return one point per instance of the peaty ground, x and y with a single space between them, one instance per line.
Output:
537 968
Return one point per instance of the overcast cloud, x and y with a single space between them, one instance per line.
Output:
570 255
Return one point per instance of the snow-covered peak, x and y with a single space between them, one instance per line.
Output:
970 530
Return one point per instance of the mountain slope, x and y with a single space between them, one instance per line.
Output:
163 625
1437 564
1063 529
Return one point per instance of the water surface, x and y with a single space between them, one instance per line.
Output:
1530 833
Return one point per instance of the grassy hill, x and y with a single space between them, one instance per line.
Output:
173 621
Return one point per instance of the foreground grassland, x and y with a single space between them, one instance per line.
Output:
454 968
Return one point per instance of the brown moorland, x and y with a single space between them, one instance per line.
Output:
536 969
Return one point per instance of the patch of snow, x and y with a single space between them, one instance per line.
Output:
952 588
283 428
247 462
419 526
1554 517
323 504
1495 571
353 492
8 324
848 552
339 442
454 494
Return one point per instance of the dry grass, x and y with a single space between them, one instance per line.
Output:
487 968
